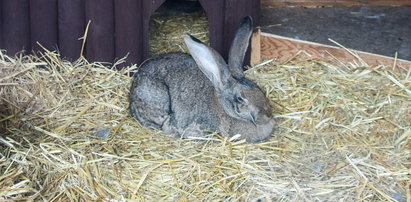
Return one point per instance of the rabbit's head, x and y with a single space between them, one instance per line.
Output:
239 97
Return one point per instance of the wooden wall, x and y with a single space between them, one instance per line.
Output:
71 25
121 27
335 2
15 22
117 28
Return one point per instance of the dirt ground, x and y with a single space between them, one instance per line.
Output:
381 30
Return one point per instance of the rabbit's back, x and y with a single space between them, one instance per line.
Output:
170 92
189 95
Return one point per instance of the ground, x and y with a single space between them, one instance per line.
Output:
381 30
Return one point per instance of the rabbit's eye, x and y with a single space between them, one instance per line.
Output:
240 100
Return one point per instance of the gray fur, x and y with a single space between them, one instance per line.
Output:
193 95
239 47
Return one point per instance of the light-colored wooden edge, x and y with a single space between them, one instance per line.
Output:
255 47
336 2
282 49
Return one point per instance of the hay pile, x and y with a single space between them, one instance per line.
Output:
342 133
166 32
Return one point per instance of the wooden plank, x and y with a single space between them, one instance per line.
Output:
335 2
235 11
215 15
71 22
282 49
128 38
43 24
255 47
148 8
16 26
100 41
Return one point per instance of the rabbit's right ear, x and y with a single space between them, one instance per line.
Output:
239 47
209 61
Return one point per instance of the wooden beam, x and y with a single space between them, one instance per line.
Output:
282 49
335 2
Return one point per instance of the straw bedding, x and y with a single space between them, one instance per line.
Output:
342 132
166 31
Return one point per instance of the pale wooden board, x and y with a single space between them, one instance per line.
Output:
335 2
255 47
282 49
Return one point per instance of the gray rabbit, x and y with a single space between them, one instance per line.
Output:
191 96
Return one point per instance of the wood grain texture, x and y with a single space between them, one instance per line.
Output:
282 49
100 41
71 26
16 26
234 13
116 28
255 57
148 8
43 24
335 2
128 35
215 15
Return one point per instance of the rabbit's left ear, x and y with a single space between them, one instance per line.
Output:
239 47
209 61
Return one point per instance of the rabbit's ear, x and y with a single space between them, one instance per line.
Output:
239 47
209 61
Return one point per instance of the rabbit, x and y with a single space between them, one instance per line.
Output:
192 96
